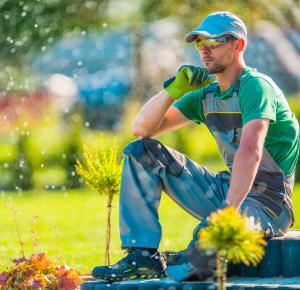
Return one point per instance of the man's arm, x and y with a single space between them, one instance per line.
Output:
157 117
247 160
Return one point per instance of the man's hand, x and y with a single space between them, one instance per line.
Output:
188 78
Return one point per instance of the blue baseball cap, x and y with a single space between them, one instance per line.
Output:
217 24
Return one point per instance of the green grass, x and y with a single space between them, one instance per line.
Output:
81 220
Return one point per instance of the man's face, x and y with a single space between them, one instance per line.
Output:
216 53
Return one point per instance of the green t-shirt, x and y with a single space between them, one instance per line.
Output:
259 97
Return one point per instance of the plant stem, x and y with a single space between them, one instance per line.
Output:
58 255
14 214
36 241
108 228
221 271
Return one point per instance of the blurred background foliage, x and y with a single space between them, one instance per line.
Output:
71 69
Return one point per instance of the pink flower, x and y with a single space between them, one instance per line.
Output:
3 278
36 285
19 260
66 283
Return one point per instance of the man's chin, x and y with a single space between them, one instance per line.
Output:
208 67
210 70
213 70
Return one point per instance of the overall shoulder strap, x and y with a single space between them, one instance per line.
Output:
210 90
237 86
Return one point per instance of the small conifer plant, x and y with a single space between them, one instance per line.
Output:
102 172
230 237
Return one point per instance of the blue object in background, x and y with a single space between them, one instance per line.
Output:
100 64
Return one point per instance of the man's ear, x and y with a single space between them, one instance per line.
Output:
241 44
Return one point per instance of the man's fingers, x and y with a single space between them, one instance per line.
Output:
205 75
194 75
200 77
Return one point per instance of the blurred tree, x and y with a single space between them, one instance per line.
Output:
22 167
284 12
35 24
73 145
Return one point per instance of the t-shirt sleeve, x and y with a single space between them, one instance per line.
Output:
190 105
258 100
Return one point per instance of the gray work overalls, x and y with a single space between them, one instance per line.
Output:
151 167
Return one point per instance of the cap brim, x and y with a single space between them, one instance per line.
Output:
191 36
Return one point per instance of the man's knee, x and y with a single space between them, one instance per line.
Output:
142 151
140 146
150 153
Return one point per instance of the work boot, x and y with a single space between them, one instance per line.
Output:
173 258
191 264
138 264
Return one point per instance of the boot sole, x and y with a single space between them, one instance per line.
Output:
133 277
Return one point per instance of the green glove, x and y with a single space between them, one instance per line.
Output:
188 78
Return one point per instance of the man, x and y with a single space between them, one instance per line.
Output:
256 133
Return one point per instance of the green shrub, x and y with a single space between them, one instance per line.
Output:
101 171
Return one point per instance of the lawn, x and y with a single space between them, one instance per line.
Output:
80 217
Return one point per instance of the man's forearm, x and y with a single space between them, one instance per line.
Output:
152 114
243 173
247 160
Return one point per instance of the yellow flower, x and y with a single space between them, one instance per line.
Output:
228 235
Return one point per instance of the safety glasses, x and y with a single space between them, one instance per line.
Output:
212 43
